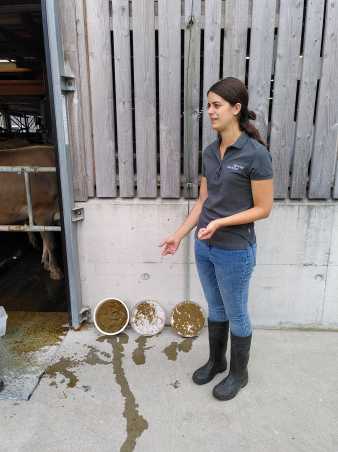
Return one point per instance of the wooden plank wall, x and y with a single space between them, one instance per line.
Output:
325 137
143 21
78 101
123 97
284 97
192 44
101 94
212 49
169 60
147 114
307 97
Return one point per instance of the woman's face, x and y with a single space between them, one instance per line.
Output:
221 113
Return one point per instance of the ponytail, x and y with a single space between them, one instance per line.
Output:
248 127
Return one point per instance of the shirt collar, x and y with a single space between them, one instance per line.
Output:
240 142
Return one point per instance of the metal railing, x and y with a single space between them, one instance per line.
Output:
25 171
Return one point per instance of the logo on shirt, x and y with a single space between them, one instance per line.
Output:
235 167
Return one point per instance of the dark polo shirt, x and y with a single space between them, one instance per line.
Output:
229 188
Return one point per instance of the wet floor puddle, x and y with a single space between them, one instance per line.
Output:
136 423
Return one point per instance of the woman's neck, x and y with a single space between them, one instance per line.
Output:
228 137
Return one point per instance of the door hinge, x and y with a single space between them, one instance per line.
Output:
67 83
77 214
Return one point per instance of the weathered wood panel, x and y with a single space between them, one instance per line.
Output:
325 138
235 38
291 135
260 68
284 93
169 15
307 97
192 43
145 97
124 120
202 18
76 126
85 96
212 50
101 91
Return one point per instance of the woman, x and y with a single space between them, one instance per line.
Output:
236 190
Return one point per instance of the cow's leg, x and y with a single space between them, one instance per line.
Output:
45 253
45 217
32 239
48 255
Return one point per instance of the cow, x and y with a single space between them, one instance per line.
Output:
44 191
13 143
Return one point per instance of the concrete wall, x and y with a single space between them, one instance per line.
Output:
295 281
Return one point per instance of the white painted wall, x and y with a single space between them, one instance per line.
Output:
295 281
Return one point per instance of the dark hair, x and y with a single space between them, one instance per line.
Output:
233 91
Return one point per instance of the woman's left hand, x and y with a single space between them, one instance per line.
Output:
206 233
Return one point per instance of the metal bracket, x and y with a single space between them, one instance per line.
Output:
77 214
67 83
85 314
190 22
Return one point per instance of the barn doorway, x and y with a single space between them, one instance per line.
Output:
26 127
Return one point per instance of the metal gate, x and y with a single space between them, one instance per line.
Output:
59 85
26 171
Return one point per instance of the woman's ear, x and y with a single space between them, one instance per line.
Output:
237 108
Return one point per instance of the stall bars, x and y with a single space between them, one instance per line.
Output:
26 170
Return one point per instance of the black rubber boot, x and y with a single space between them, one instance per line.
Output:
218 339
238 375
1 384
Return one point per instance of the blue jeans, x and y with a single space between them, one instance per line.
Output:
225 276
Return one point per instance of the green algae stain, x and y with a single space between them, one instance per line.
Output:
184 346
138 353
136 423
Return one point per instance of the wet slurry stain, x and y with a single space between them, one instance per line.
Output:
138 353
65 366
184 346
93 358
136 423
171 351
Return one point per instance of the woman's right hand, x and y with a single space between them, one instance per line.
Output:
171 244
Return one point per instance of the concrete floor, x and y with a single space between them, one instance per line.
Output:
132 393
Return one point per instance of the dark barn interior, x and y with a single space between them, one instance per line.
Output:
25 122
